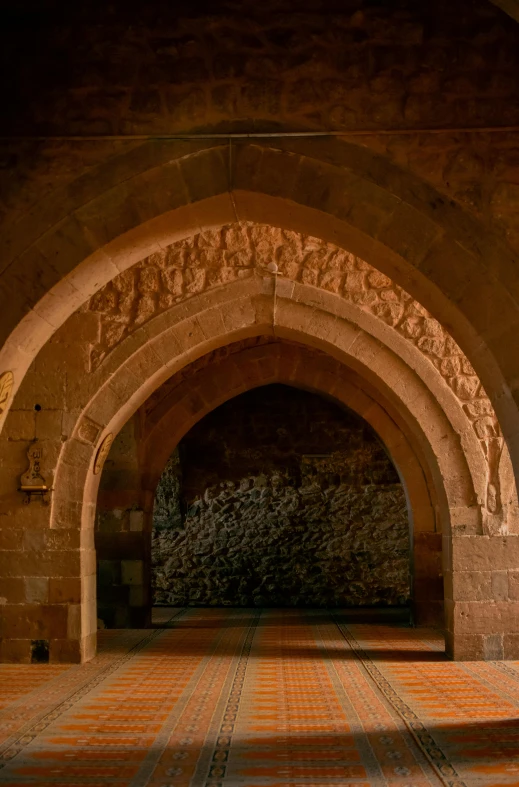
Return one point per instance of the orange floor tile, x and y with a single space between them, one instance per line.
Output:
250 698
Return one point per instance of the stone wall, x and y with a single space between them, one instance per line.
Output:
137 69
427 95
280 498
345 66
242 250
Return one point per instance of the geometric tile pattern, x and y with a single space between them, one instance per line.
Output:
262 698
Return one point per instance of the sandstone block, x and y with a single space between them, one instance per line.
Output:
206 173
65 651
74 621
37 590
500 585
136 521
34 540
485 618
410 234
33 621
513 585
15 651
485 553
12 591
493 649
64 591
325 187
88 646
238 315
472 586
132 572
137 596
511 647
11 539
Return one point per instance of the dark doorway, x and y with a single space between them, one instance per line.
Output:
281 498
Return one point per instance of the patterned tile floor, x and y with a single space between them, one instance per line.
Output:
248 698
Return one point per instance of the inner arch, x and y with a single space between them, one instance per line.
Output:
281 498
133 470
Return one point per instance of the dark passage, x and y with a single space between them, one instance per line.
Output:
280 498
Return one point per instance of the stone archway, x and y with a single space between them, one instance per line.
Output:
215 379
456 494
460 272
97 401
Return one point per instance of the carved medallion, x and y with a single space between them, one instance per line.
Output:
6 386
102 453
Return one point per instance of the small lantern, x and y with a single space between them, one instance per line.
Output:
32 483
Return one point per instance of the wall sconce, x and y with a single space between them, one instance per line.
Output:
32 483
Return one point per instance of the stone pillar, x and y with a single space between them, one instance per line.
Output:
482 597
47 576
123 538
123 570
427 605
46 573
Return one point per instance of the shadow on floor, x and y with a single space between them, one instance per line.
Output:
473 750
202 621
289 615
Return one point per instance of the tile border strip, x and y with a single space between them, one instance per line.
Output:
416 727
217 768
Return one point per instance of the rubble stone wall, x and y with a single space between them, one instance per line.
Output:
280 498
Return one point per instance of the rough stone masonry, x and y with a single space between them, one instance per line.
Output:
280 498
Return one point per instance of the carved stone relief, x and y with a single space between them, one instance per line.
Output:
242 250
102 453
6 386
